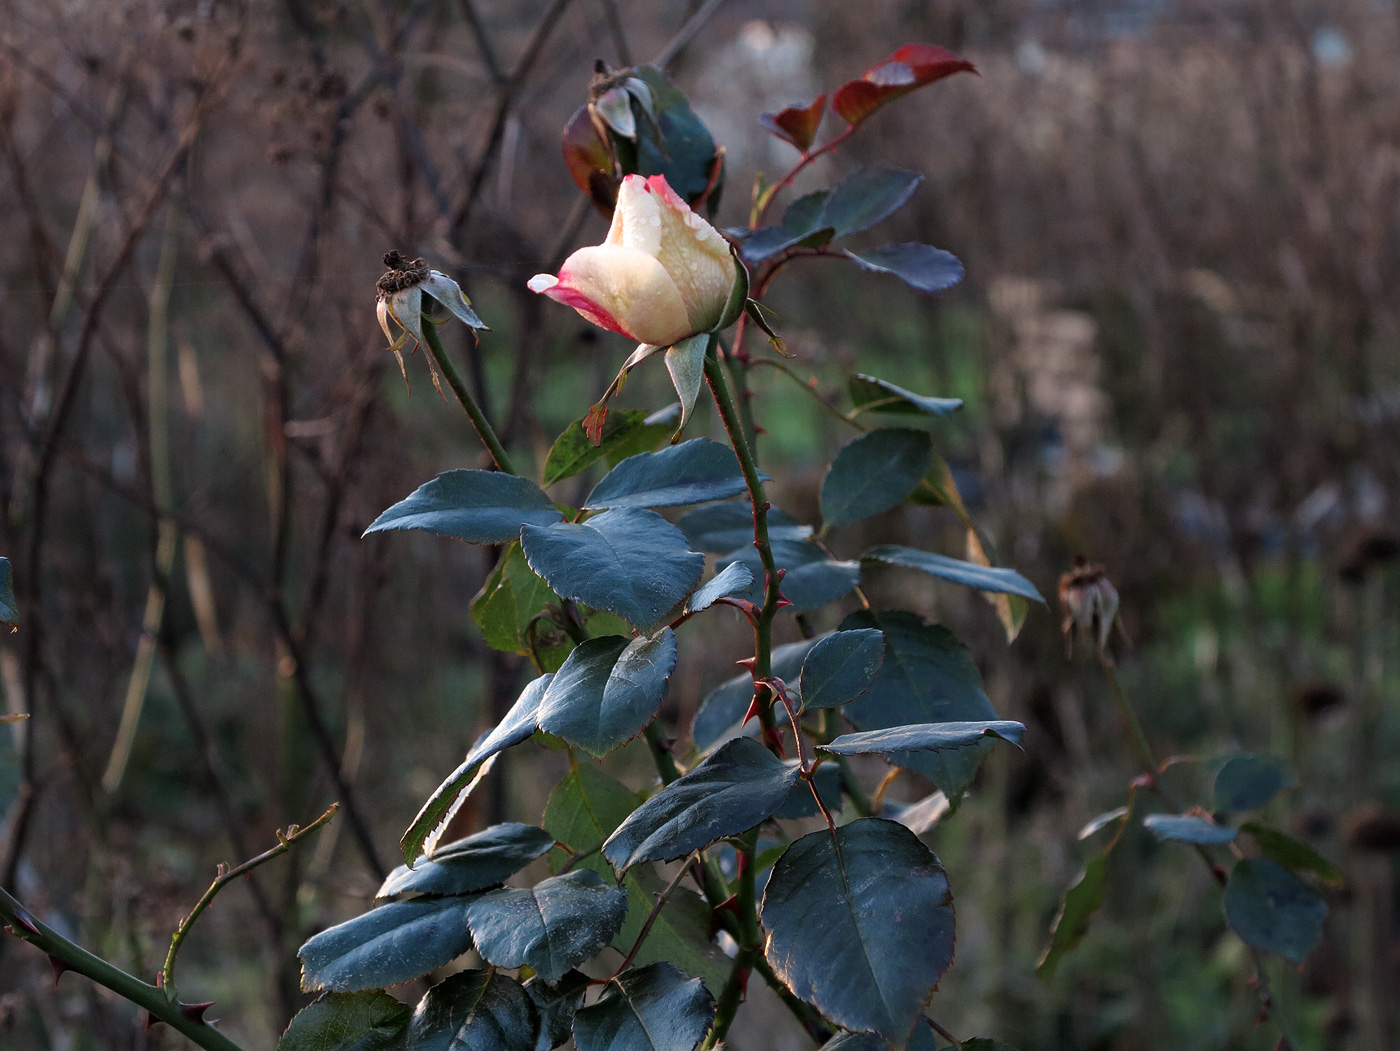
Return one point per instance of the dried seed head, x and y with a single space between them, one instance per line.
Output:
403 273
1089 603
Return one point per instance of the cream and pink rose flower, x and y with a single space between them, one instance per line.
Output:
663 273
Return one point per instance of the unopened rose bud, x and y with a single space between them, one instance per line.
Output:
662 275
1089 602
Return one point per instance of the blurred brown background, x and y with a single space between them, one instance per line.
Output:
1177 341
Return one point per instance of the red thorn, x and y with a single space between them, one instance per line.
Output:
744 981
758 428
748 662
780 574
743 863
152 1020
774 738
783 602
195 1012
753 710
58 968
729 904
1143 781
23 919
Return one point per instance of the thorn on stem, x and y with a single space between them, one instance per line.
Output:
195 1012
58 968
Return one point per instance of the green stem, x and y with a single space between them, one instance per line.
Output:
70 956
285 842
661 753
483 427
1144 750
812 1021
750 948
718 380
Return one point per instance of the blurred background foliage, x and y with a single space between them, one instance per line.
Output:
1178 340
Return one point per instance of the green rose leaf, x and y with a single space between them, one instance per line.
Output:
1274 910
608 690
474 863
693 472
730 792
723 707
550 927
865 197
652 1008
679 936
900 742
800 801
555 1005
733 579
480 507
1188 828
874 473
1249 780
927 676
921 267
723 527
872 394
584 809
388 945
841 667
517 726
812 578
628 561
572 453
1292 853
366 1021
983 578
512 597
860 924
476 1010
1072 922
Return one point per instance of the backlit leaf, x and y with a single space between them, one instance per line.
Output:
796 124
907 69
512 597
872 394
365 1021
572 452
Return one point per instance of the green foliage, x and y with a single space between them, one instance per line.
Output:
394 943
508 607
627 561
1082 900
1274 910
872 898
550 927
1249 780
572 453
927 676
479 861
653 1008
725 527
1292 853
874 473
483 1010
983 578
901 743
694 472
480 507
733 579
729 793
9 608
1189 828
841 667
723 707
872 394
365 1021
608 690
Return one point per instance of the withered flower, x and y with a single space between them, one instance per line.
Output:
1089 602
401 299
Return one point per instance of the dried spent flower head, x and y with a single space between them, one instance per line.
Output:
400 299
1089 602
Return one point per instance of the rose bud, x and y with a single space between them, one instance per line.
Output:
663 273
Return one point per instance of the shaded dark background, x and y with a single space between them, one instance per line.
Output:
1177 341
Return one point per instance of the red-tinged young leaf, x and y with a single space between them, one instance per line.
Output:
796 124
589 160
909 68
